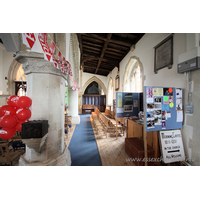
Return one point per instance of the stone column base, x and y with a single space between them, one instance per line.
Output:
76 119
62 160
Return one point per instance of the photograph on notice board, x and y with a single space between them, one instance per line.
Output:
164 115
150 123
179 104
150 107
157 106
128 99
158 118
163 124
157 99
151 114
149 95
128 108
167 91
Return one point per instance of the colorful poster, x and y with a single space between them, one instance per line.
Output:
158 92
167 91
119 103
149 95
168 99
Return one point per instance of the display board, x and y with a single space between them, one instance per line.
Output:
163 108
172 146
127 104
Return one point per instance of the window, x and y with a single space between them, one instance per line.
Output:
133 77
20 83
110 92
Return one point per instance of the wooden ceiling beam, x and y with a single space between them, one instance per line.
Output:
90 57
86 66
90 47
103 50
120 42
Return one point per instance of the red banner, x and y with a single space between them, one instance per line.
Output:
52 47
43 41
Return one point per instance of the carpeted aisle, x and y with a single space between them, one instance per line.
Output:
83 147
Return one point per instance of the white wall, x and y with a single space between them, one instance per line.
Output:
145 52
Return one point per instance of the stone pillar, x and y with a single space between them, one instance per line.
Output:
73 106
46 88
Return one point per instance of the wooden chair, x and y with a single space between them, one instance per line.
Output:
17 142
7 156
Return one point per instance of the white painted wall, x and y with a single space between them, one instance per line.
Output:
145 52
6 59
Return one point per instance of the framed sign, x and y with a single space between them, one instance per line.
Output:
163 55
172 146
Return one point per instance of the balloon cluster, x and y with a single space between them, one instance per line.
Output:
13 115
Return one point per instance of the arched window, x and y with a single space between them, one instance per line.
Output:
133 77
20 82
110 92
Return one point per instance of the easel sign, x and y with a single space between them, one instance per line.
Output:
172 146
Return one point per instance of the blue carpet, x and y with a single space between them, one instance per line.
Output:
83 147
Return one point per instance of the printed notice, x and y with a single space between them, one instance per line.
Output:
158 92
135 103
179 116
172 146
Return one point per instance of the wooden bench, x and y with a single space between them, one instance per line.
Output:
87 108
109 113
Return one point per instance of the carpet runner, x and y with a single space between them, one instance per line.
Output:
83 147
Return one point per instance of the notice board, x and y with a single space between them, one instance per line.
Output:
127 104
163 108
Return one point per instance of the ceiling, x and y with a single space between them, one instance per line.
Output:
102 52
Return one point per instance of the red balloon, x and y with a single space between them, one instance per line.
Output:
11 100
7 133
23 113
18 127
24 102
0 122
9 121
7 110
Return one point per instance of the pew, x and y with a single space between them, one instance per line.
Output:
87 108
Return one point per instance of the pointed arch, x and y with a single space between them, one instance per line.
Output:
133 63
110 92
12 73
94 78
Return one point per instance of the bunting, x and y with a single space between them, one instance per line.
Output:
30 41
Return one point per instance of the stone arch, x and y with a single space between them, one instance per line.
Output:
12 72
110 84
128 69
94 78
